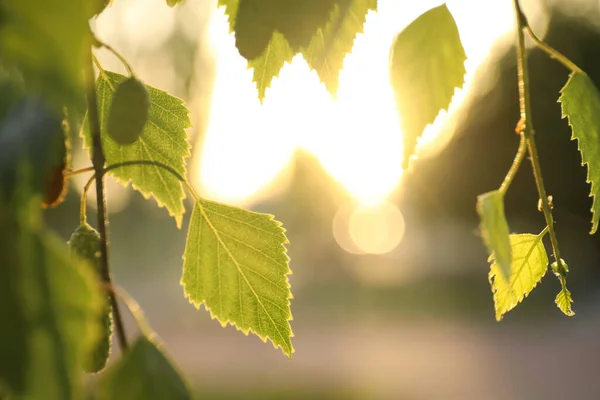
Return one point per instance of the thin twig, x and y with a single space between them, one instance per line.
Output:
517 161
528 131
98 161
70 173
123 164
157 164
552 52
83 203
117 54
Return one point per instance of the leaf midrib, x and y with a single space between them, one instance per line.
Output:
258 300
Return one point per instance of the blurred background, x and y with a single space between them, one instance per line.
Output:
391 297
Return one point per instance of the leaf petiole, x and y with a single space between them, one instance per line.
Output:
99 43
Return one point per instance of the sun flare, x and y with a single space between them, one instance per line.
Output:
248 146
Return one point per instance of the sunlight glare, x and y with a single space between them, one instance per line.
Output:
376 229
356 137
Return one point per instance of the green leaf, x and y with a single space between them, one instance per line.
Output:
270 62
45 40
564 300
144 372
235 263
329 46
494 229
528 267
269 33
164 140
231 9
58 305
427 64
580 102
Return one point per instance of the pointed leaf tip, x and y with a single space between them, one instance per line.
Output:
528 267
427 65
235 263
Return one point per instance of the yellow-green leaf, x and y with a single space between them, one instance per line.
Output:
528 267
564 300
270 62
329 46
235 263
269 33
494 229
164 140
580 102
144 372
427 65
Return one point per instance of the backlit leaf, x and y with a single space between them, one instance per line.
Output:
427 65
268 65
580 102
564 300
528 267
270 32
494 229
235 263
164 140
144 372
330 44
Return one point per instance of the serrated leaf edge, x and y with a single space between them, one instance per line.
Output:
319 33
584 160
568 300
246 332
520 298
126 182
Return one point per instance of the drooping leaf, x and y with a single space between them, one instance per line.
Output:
143 373
427 65
45 40
267 66
563 298
580 102
235 263
528 267
164 140
270 32
494 229
329 46
58 303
